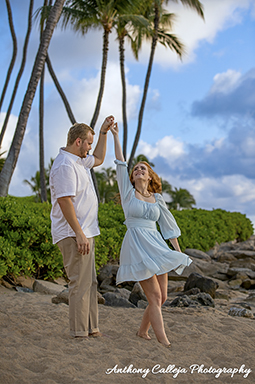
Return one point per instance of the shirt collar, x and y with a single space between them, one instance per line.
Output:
76 158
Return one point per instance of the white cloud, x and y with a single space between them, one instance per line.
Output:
192 30
9 130
168 147
225 82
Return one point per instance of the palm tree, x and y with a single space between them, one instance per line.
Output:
107 184
86 14
22 66
11 160
14 53
159 35
35 185
131 20
60 91
2 160
181 198
43 194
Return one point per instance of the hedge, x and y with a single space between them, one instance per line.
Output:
26 245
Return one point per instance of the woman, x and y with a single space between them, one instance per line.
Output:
145 256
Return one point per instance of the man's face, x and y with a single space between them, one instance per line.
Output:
86 145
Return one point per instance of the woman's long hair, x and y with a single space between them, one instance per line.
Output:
154 185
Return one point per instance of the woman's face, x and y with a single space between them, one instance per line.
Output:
140 172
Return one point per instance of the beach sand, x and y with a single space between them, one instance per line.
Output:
36 347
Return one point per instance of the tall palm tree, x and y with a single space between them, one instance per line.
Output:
22 66
2 160
181 198
124 25
43 194
35 185
107 184
166 39
86 14
60 90
14 53
11 160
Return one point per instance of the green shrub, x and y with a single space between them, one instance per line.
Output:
26 244
25 240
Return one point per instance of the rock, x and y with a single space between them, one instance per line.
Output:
192 268
201 299
197 254
248 284
5 284
25 281
243 312
107 284
175 286
222 295
123 292
235 283
115 300
62 297
47 287
192 291
61 281
243 263
23 289
137 294
210 268
142 304
251 297
239 254
107 271
213 251
244 271
225 257
205 284
227 246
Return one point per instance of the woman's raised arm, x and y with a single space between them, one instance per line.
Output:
118 151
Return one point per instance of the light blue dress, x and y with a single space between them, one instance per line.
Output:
144 252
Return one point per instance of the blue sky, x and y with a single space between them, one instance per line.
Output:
198 126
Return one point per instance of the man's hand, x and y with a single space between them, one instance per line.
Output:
114 129
82 243
108 122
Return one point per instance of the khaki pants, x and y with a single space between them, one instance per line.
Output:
80 270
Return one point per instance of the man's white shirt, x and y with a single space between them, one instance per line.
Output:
70 176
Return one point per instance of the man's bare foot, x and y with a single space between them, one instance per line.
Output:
81 337
143 335
96 334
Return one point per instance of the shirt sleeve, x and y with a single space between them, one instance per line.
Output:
64 181
124 183
166 221
89 161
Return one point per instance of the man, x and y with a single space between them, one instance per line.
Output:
74 222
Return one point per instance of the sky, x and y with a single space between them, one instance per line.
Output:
199 121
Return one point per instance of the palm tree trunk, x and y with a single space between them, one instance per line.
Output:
124 95
23 62
11 160
14 53
102 81
41 140
146 86
60 91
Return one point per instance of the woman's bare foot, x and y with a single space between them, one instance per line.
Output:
143 335
168 345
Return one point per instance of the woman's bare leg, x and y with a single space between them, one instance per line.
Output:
155 290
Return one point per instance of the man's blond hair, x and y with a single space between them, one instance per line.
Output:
78 130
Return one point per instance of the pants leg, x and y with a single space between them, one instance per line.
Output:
80 270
